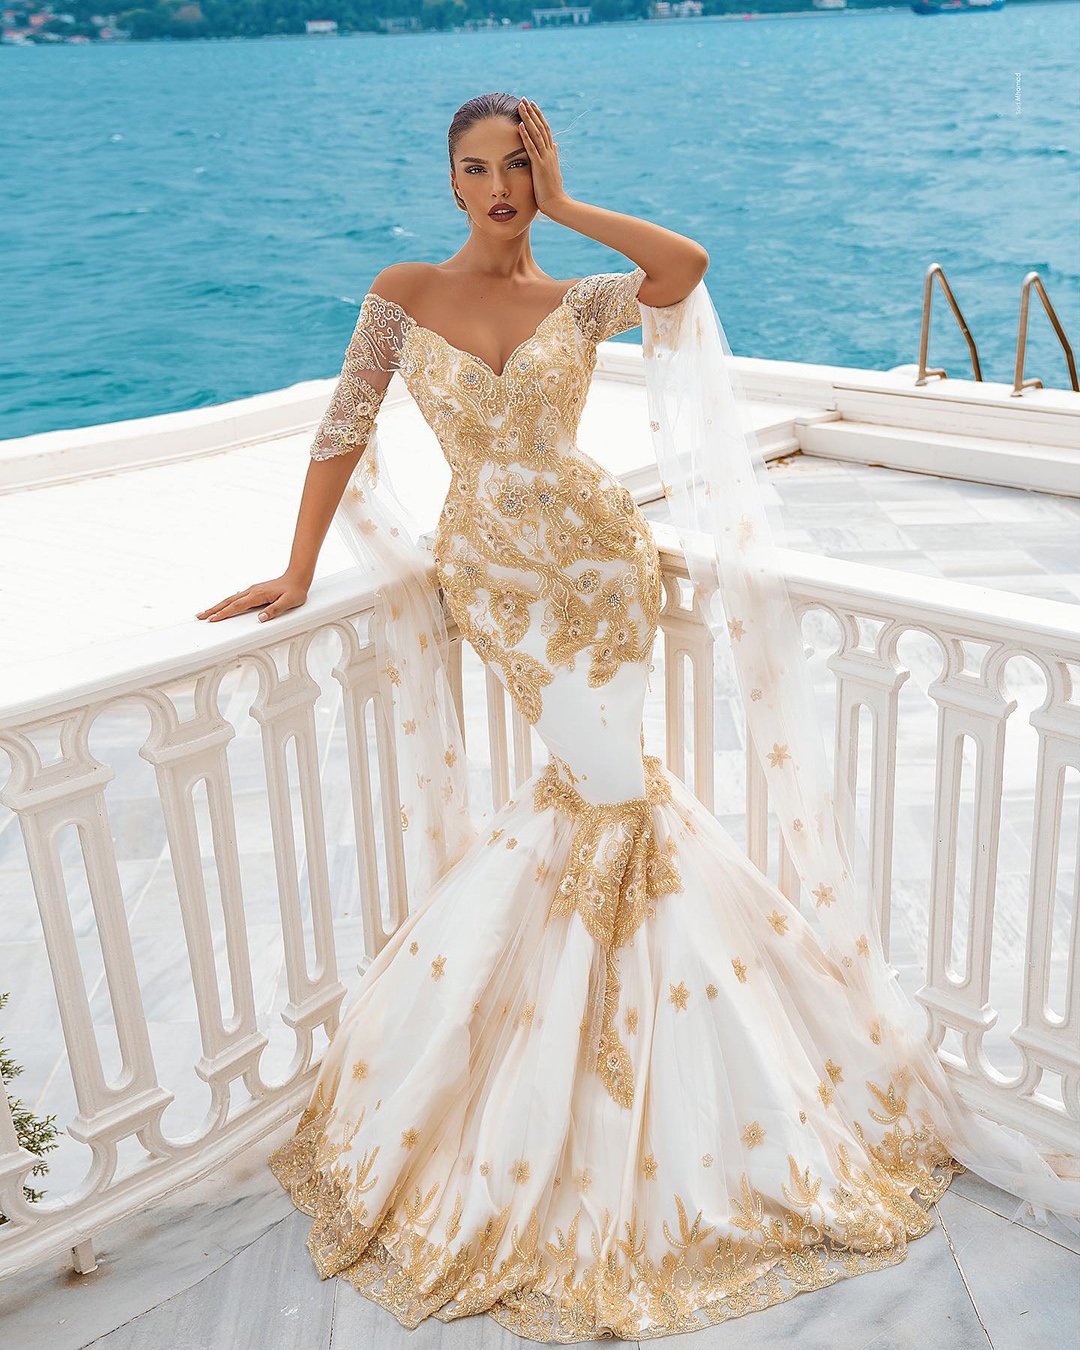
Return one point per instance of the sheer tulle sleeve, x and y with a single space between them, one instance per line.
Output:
372 356
426 782
607 303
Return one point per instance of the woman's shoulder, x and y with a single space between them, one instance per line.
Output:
402 282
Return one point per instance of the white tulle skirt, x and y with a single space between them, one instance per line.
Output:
605 1080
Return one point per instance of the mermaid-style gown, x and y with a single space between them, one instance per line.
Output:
723 1125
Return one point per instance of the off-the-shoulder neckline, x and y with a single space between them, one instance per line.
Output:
524 341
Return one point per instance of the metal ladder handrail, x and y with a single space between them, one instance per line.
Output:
936 270
1019 383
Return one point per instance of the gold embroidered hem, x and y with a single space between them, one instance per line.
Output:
537 1285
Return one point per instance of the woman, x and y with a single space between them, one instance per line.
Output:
604 1079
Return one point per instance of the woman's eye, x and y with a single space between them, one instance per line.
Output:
517 164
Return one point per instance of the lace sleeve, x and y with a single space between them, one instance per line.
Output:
372 356
606 303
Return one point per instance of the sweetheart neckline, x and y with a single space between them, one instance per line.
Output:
472 355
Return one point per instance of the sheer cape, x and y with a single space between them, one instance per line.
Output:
714 480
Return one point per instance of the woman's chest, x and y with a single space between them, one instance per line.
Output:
525 409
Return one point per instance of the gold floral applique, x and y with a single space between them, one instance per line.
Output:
615 872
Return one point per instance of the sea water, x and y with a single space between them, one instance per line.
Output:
186 223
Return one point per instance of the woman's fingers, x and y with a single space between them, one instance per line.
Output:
271 598
540 122
238 603
237 607
543 153
288 599
531 124
213 609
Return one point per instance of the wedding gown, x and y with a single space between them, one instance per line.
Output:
604 1080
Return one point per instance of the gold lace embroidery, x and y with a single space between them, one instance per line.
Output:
615 872
533 532
606 303
541 1286
371 358
529 520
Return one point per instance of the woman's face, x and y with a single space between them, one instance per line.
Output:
491 167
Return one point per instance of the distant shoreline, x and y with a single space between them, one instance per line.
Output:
744 16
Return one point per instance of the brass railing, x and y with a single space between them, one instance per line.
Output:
935 270
1019 383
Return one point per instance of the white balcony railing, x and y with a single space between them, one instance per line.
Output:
180 697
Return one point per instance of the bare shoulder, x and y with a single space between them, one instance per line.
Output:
402 282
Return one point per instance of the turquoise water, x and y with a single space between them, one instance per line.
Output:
190 223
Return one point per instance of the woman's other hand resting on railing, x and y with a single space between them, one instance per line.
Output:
283 593
323 487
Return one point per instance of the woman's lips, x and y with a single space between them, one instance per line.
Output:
502 212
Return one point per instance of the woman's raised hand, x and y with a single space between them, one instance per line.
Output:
543 155
270 597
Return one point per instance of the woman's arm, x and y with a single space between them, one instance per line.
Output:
673 264
342 437
323 486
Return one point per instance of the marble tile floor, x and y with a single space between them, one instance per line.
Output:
974 1281
1005 538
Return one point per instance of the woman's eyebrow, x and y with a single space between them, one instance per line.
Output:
474 159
